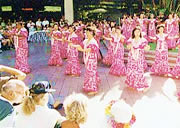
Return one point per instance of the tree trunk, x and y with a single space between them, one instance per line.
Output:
160 3
142 1
178 8
154 4
171 5
164 3
175 4
167 4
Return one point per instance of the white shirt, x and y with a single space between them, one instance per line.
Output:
45 22
29 25
38 23
13 24
43 117
1 37
8 121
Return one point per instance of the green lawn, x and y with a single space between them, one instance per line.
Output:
153 47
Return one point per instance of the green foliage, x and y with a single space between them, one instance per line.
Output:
84 8
57 125
153 47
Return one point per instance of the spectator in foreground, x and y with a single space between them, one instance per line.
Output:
51 101
76 111
34 113
11 93
15 74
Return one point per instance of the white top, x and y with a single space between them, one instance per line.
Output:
73 35
13 24
1 37
45 22
86 44
29 25
43 117
38 23
8 121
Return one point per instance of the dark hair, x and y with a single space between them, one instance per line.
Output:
20 23
65 25
160 26
133 32
113 27
56 24
118 27
90 30
73 27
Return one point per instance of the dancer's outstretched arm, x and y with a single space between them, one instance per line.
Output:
20 75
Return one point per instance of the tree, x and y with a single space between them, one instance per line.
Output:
142 1
153 3
170 5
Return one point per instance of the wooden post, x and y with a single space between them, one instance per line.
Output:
69 11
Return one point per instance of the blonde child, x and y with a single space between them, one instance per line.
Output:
76 111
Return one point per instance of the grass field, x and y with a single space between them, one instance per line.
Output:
153 47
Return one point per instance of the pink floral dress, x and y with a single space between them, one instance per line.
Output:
152 28
21 45
91 78
108 59
145 65
80 34
129 27
171 31
176 70
64 45
73 65
55 58
161 66
106 31
176 26
143 24
135 68
118 67
98 37
124 27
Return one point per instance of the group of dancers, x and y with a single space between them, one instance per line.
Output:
134 32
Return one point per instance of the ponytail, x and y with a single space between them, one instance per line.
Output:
29 104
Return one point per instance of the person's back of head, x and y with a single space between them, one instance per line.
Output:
34 109
38 95
75 109
11 92
14 91
3 81
30 102
76 112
